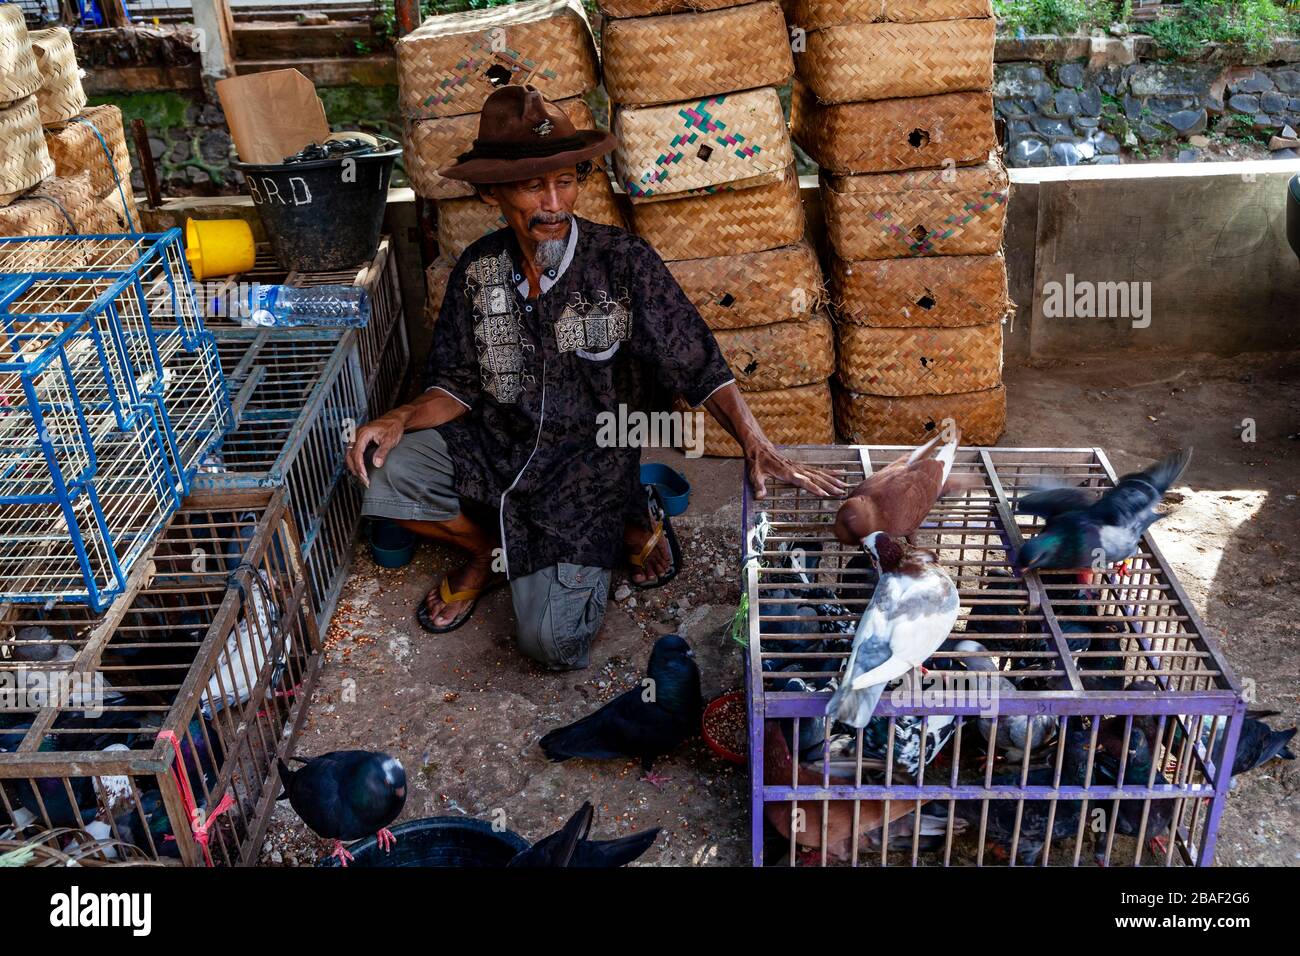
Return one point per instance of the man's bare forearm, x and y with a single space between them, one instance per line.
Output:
729 408
435 407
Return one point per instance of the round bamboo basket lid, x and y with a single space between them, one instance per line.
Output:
649 8
653 60
780 354
433 144
816 14
789 416
464 220
24 160
912 132
877 61
61 96
452 63
725 223
75 147
919 361
691 146
863 419
753 288
20 77
924 212
937 292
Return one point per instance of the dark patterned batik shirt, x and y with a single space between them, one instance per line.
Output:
611 326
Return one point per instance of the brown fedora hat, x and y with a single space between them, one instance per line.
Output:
521 135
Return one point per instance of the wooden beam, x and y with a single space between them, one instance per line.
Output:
269 40
115 13
407 14
216 38
380 70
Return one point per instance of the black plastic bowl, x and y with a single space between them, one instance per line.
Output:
1293 215
321 216
439 841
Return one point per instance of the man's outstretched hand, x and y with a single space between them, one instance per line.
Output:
384 433
763 461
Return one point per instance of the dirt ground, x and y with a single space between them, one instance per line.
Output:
463 711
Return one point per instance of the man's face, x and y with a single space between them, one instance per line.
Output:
538 208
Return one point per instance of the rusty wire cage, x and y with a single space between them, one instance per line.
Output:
300 396
1133 708
157 724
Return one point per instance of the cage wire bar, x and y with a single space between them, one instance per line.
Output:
300 400
212 652
110 392
1143 711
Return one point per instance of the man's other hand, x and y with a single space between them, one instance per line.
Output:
384 433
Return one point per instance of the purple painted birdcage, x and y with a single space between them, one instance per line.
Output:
1087 723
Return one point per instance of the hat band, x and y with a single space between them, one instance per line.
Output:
487 149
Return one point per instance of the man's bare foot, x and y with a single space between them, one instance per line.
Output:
477 574
657 563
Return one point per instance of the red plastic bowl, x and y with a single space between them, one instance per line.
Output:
734 699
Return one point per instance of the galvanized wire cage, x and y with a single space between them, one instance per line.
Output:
300 398
158 723
1096 720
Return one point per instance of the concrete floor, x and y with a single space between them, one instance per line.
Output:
463 712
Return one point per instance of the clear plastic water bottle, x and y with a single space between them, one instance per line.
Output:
283 306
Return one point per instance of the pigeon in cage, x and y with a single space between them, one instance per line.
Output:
346 795
570 847
898 497
858 579
1081 530
812 730
154 829
663 711
816 620
911 613
1104 654
1138 772
1016 733
247 649
909 741
1026 822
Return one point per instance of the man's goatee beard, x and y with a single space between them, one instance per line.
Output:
550 253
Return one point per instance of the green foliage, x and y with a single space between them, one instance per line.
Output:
1053 16
1249 24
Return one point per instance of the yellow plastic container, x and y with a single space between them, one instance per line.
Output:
218 247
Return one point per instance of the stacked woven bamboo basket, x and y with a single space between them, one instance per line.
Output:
448 67
64 169
705 157
893 101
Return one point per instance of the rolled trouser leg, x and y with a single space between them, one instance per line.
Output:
559 609
416 481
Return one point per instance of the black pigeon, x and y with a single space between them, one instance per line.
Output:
1079 525
570 847
649 720
346 795
1137 773
1259 743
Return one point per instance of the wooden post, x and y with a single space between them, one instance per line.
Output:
407 13
115 14
216 38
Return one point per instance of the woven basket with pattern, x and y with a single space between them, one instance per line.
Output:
915 419
463 220
725 223
110 214
913 132
75 147
701 144
19 75
692 56
939 292
452 63
789 416
649 8
877 61
780 354
923 212
919 361
433 144
60 96
815 14
54 207
24 161
753 288
435 284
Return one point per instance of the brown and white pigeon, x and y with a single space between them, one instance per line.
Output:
897 498
911 613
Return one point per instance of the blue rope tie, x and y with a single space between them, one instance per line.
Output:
117 180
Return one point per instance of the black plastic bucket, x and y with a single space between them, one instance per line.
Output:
1293 215
440 841
325 214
